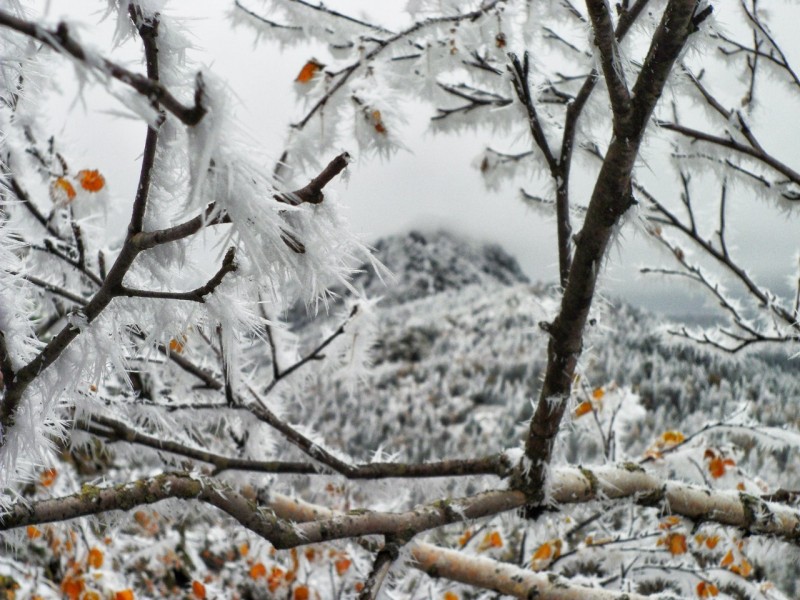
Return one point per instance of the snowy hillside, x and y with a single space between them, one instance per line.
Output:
460 351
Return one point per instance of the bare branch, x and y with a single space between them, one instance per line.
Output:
380 569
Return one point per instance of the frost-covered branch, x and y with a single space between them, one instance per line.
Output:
764 300
610 60
113 431
381 44
94 500
196 295
610 199
117 431
505 578
60 40
755 152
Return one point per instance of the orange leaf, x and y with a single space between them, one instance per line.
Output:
727 559
310 553
491 540
61 191
95 559
543 552
48 476
244 549
258 570
91 181
199 590
90 595
33 532
707 590
583 408
301 592
175 346
450 596
274 579
598 393
718 465
358 586
308 71
676 542
465 537
712 541
72 587
669 522
124 595
342 565
744 569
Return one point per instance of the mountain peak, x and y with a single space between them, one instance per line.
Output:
428 263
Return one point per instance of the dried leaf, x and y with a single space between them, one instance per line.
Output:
583 408
91 181
198 590
676 543
258 570
62 192
308 71
95 558
48 477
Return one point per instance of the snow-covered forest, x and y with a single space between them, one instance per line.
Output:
213 387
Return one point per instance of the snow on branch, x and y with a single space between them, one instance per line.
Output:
60 40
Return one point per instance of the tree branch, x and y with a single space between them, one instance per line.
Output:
611 198
505 578
196 295
610 61
60 40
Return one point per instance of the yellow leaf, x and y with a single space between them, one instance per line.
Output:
62 192
672 438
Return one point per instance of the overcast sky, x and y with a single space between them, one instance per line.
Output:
430 185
